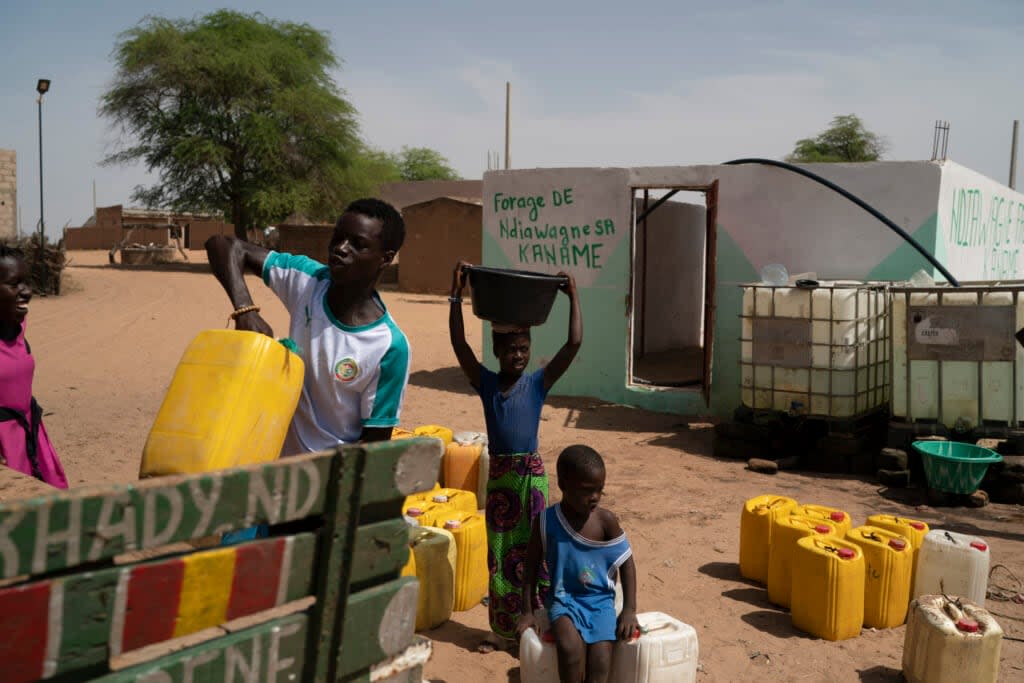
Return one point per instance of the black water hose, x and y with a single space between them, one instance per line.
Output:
859 202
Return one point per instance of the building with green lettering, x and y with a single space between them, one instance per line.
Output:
661 297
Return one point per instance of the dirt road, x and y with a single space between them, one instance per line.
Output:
106 351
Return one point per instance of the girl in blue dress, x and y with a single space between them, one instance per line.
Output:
585 548
517 486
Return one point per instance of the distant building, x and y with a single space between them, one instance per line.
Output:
111 224
8 194
439 232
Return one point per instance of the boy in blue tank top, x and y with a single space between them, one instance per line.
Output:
585 548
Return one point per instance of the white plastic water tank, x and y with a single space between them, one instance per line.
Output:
954 564
825 349
666 652
950 642
958 360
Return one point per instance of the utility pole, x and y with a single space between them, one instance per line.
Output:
508 100
1013 156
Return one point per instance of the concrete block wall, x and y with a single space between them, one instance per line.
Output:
308 240
200 231
91 237
8 194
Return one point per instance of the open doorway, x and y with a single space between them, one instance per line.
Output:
673 286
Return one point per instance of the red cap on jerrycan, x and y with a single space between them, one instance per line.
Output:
978 545
897 543
917 525
822 529
967 625
837 516
846 553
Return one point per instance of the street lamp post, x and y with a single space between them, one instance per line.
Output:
42 87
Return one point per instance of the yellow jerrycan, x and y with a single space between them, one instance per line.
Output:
410 566
829 514
913 530
470 533
828 587
230 403
466 464
888 566
436 560
756 533
436 431
787 530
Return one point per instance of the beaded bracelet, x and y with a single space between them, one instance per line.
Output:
252 308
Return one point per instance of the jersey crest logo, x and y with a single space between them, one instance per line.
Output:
346 370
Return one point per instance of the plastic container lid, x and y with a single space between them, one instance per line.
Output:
967 625
846 553
414 512
822 529
441 498
775 274
917 525
978 545
897 543
837 516
452 524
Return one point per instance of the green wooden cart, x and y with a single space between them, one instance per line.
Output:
113 583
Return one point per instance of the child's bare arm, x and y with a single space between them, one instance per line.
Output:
563 359
534 552
628 625
457 331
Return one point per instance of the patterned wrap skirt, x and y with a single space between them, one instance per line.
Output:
517 491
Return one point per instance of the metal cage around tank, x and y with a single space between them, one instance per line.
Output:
822 351
956 361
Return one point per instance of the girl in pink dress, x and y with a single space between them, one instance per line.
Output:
24 445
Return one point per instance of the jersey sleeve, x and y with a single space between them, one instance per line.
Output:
381 405
288 275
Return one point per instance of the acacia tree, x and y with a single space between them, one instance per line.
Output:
234 112
423 163
846 139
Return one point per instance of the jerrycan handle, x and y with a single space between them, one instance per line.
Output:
289 343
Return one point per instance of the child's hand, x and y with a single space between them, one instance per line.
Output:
526 621
629 627
569 286
459 277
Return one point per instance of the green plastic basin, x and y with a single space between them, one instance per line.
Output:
955 467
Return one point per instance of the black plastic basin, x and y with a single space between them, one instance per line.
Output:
513 297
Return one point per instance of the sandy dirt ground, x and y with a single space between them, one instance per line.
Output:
106 351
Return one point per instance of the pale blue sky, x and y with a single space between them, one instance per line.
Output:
593 83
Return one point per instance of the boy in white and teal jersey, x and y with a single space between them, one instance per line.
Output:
356 357
355 375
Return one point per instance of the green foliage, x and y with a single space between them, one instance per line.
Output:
234 112
423 163
846 139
